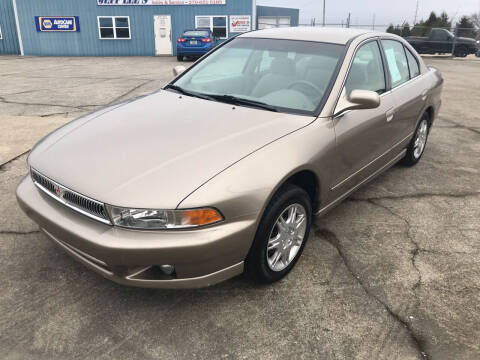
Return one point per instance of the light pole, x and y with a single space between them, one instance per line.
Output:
324 13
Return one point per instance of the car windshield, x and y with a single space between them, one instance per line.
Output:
195 33
290 75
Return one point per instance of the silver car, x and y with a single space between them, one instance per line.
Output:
222 171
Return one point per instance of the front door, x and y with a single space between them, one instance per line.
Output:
163 34
363 136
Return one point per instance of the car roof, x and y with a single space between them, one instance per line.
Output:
311 33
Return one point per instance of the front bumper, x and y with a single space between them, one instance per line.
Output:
201 257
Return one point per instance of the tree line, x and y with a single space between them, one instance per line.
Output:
468 26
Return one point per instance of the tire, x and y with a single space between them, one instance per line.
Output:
179 57
415 148
461 51
260 264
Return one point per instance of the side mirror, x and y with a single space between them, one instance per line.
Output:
177 70
357 100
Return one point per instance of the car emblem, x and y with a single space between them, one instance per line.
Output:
58 191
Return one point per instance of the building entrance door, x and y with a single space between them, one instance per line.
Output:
163 34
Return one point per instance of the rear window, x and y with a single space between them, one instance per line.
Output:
412 64
396 61
196 33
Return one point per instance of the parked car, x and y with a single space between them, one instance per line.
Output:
441 41
222 171
195 43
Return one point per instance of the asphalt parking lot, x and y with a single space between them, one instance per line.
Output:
392 273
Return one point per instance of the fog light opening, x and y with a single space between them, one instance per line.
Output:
167 269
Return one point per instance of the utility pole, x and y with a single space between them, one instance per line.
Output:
373 23
348 20
324 13
416 14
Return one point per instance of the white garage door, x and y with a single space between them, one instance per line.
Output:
267 22
284 21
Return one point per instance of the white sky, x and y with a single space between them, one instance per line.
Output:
386 11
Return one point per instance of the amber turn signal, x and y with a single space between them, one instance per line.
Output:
199 217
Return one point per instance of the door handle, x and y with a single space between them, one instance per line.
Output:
390 113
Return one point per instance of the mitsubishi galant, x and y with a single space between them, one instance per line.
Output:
222 171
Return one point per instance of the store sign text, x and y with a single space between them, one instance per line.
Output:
240 23
57 23
161 2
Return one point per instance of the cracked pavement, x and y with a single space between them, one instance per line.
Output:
391 273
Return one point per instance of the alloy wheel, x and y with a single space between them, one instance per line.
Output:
286 237
421 139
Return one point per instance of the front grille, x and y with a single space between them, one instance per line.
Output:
85 204
80 203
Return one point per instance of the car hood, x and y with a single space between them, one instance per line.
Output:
468 40
156 150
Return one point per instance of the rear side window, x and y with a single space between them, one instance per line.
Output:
366 72
412 64
396 61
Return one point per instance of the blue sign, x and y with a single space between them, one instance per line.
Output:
57 23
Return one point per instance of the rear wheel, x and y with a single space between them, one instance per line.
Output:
417 146
281 235
461 51
180 57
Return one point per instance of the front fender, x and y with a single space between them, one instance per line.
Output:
244 189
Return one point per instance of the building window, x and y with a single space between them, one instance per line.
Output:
114 27
217 24
1 36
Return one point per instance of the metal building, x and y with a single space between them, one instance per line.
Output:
118 27
8 31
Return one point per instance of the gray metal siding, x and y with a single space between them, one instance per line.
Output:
87 42
294 14
9 43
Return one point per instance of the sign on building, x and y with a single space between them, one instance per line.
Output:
240 23
57 23
161 2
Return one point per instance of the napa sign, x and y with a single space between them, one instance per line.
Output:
57 23
161 2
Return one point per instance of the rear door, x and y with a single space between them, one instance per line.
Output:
363 136
410 96
440 41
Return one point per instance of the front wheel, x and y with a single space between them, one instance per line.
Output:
281 235
179 57
417 145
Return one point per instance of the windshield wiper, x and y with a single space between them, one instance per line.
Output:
242 101
230 99
188 92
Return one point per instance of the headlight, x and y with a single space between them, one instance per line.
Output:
151 219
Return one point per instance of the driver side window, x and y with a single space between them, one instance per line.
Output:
366 71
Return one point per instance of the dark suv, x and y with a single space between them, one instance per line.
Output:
441 41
